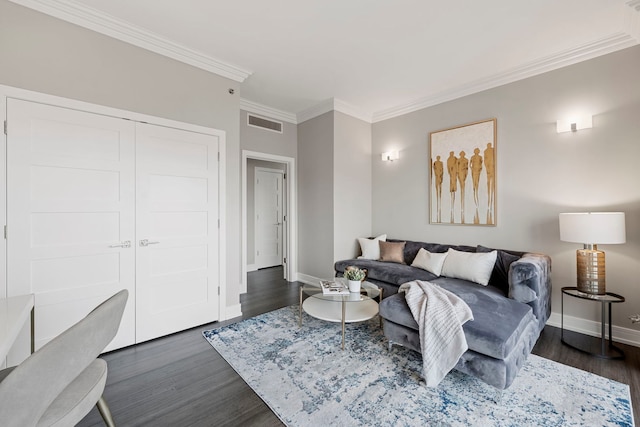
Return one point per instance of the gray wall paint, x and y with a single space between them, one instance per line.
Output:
540 172
47 55
264 141
251 205
352 184
315 196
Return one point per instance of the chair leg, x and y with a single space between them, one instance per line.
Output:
104 410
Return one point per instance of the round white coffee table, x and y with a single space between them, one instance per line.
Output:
355 307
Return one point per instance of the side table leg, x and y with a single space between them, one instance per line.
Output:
380 317
603 350
344 308
33 329
300 307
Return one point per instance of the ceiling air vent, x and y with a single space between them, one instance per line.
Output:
262 123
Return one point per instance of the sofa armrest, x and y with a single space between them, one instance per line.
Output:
530 283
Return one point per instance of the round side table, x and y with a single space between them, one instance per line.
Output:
609 351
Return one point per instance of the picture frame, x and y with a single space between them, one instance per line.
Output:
463 174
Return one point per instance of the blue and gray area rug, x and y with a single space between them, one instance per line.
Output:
307 380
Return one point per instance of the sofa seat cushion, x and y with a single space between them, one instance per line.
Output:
498 325
387 271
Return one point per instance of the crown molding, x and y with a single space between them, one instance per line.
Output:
632 19
84 16
334 104
597 48
315 111
269 112
352 110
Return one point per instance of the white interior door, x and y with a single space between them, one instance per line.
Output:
70 214
269 217
177 270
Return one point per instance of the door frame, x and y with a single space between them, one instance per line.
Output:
291 212
28 95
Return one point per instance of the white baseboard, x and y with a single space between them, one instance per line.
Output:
233 311
589 327
305 278
252 267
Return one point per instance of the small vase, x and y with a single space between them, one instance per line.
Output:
354 285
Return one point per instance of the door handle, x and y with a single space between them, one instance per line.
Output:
146 242
125 244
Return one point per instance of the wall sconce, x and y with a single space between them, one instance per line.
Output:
390 156
575 124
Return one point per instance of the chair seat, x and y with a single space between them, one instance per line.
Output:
75 402
5 372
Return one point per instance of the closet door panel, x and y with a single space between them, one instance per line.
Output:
177 271
70 205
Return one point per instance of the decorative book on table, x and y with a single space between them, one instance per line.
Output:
332 287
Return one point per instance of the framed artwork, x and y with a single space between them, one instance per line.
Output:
463 174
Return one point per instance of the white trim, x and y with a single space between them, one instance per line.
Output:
3 200
43 98
292 220
223 311
234 311
597 48
315 111
632 19
77 13
310 280
252 267
27 95
334 104
592 328
269 112
352 110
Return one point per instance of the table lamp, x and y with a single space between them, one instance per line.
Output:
591 229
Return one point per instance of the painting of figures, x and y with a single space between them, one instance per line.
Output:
463 174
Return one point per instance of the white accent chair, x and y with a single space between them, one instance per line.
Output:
59 384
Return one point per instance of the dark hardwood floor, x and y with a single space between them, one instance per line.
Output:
179 380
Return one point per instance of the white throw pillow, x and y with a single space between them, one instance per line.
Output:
370 247
429 261
472 266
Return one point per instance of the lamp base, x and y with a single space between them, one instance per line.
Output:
591 270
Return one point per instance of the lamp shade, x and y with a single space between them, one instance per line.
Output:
593 227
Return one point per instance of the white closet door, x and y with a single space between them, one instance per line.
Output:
70 212
177 270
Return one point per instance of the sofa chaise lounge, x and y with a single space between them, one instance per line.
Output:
509 312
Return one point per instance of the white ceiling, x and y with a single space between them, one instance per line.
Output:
374 59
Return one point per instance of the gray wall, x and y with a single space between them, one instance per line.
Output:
334 202
47 55
315 196
352 184
540 172
264 141
251 205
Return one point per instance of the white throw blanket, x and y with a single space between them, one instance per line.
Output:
440 315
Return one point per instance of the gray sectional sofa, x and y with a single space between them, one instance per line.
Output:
509 313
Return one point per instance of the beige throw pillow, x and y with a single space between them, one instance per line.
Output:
472 266
392 252
370 248
432 262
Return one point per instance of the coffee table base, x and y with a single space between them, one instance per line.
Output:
339 311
